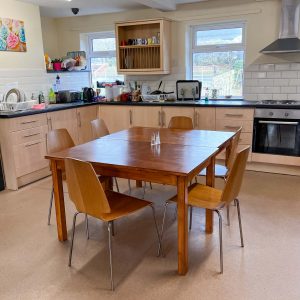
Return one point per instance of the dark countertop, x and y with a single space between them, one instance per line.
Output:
202 103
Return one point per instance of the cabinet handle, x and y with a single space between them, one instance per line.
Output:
29 145
50 123
234 115
130 117
159 118
163 116
198 120
29 135
232 127
79 119
28 122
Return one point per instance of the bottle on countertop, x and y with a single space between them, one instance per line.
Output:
41 98
57 83
206 95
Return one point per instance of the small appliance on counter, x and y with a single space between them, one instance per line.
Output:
187 90
67 96
88 94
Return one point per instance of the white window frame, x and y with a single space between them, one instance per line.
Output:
216 48
96 54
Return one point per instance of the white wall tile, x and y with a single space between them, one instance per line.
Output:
294 97
280 97
265 82
267 67
288 90
272 90
273 74
252 68
250 97
295 82
295 66
281 82
289 74
265 97
282 67
259 75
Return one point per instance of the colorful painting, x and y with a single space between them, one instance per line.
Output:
12 35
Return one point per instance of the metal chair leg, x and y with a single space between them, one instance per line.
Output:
221 242
72 240
228 215
151 185
112 228
87 227
129 186
160 250
175 213
237 202
109 227
117 185
157 231
191 217
144 190
50 206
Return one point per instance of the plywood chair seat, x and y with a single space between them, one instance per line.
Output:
121 205
203 196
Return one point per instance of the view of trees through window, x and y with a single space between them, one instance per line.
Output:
218 60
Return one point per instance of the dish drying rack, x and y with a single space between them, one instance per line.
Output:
15 106
157 98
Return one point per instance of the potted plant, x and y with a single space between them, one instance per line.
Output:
56 64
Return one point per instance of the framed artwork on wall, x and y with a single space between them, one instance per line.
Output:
12 35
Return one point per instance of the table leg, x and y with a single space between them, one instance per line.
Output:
59 201
210 181
228 151
182 201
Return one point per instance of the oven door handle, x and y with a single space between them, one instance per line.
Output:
278 122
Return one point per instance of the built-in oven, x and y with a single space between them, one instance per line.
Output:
277 131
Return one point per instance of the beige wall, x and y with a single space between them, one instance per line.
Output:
34 57
50 39
262 26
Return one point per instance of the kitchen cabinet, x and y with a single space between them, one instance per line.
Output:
116 117
64 119
151 58
205 118
145 116
231 119
23 147
169 112
84 117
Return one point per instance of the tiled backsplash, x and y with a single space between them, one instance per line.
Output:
272 82
36 80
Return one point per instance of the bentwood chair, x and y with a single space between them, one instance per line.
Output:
211 198
223 171
99 129
57 140
181 122
88 195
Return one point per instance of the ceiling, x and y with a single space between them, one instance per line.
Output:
62 8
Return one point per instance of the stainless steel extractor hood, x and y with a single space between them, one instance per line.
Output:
288 41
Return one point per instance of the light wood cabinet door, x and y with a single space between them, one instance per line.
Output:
169 112
146 116
205 118
116 117
64 119
84 117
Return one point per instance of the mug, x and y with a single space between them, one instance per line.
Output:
139 42
149 41
154 40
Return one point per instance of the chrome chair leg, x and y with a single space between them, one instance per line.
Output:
191 217
117 185
237 202
129 186
87 227
50 206
162 228
144 189
112 228
221 242
151 185
175 213
72 240
109 227
228 215
157 231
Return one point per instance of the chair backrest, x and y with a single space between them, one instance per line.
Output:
85 189
233 150
235 177
180 122
99 128
58 140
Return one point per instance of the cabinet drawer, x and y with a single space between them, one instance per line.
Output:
29 157
234 125
27 122
28 135
235 113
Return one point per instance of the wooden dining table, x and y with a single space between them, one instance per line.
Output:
181 155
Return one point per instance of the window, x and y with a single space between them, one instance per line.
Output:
218 57
102 53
